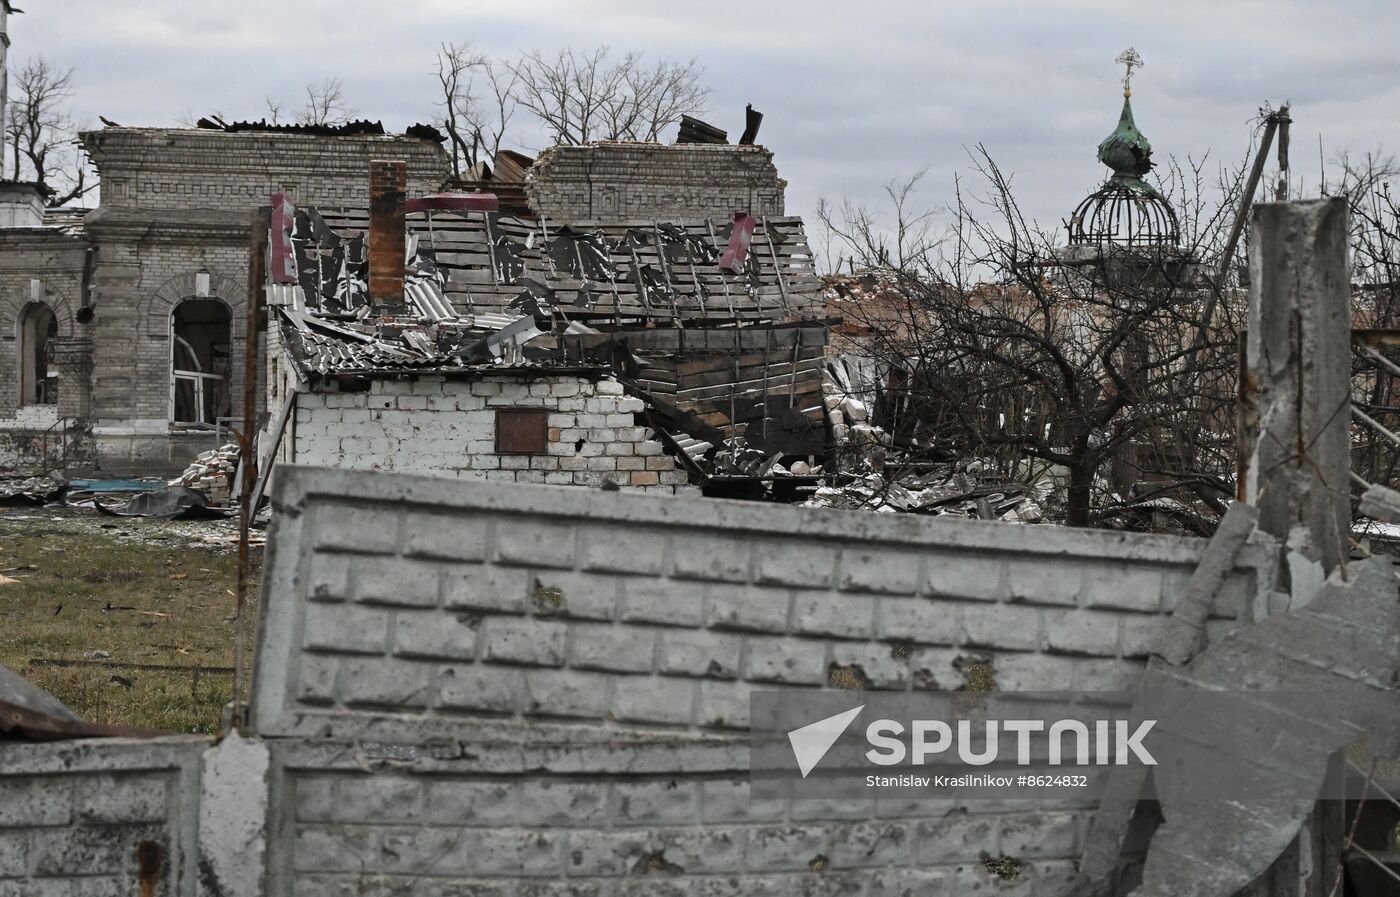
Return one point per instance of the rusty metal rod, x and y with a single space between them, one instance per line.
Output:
257 275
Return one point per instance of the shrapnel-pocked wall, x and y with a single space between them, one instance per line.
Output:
499 687
84 818
503 689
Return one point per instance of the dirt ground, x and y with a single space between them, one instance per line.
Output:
126 621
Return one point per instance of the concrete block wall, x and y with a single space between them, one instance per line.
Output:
361 820
653 181
512 687
103 818
448 427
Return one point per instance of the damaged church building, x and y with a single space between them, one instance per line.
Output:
633 314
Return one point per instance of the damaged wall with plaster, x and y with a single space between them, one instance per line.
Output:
448 426
475 686
41 268
612 181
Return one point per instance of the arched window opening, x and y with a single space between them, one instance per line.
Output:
37 384
199 366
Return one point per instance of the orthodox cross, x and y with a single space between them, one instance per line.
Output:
1130 60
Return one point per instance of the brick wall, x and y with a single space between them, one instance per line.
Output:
388 180
651 181
511 686
434 425
145 271
169 168
53 259
175 203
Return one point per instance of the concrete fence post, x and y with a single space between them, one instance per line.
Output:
1299 369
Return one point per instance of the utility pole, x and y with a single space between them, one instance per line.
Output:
1299 474
1281 194
1273 123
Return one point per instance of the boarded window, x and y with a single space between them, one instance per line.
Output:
522 431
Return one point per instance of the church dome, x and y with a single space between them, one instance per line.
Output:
1126 211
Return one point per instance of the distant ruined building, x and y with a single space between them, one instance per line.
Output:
122 327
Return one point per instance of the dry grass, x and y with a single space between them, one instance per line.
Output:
93 601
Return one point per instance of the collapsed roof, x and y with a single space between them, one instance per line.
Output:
487 293
652 271
360 127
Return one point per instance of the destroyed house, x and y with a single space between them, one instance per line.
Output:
123 326
711 326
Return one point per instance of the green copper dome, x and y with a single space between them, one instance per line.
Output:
1126 210
1127 151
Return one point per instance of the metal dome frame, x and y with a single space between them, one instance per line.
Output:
1119 214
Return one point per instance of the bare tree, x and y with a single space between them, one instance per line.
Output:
1374 253
586 96
41 134
325 104
478 103
275 110
999 346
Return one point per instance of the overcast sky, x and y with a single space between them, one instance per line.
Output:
854 94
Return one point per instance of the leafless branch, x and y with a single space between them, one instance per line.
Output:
41 134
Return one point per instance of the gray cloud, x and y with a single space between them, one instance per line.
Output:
854 95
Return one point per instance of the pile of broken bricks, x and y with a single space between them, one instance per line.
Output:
211 474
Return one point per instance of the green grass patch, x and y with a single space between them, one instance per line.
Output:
90 610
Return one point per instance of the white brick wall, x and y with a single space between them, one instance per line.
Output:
31 417
448 427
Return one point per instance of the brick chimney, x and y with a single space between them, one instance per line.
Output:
388 191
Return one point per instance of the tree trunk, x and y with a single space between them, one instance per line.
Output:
1081 488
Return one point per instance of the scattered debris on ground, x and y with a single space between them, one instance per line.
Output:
170 503
125 620
31 491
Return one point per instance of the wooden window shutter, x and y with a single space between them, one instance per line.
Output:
522 431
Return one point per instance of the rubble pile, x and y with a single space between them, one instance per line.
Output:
211 475
946 491
850 421
32 490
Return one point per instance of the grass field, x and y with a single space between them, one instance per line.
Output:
89 606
